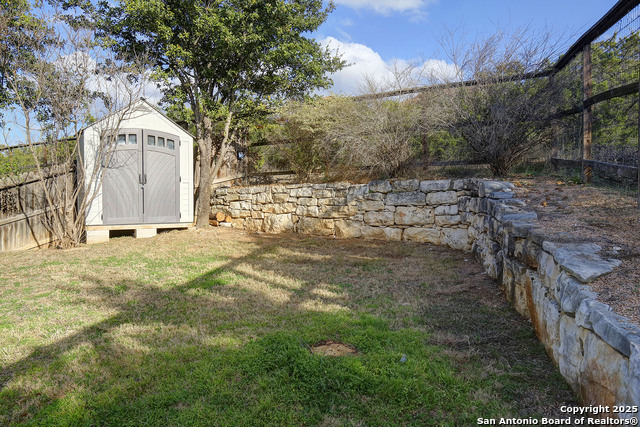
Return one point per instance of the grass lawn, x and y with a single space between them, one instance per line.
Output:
215 327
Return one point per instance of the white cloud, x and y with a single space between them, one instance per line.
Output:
363 63
386 7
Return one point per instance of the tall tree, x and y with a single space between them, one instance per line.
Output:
23 34
224 58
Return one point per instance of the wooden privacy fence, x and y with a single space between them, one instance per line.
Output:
24 211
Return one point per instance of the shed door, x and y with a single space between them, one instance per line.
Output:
142 181
161 168
121 195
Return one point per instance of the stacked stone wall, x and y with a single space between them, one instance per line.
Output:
596 350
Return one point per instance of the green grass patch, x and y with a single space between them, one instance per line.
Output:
125 333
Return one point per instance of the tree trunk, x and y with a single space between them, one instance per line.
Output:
209 169
204 193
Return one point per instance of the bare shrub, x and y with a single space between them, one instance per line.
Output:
55 90
505 113
346 139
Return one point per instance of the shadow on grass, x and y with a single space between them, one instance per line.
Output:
232 345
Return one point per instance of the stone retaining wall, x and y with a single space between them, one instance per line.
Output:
596 350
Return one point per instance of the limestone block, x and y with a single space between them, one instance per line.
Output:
423 235
633 396
374 196
315 226
348 229
258 189
500 195
257 214
410 198
447 210
357 192
548 269
464 204
379 218
263 198
405 215
603 372
571 293
442 198
380 186
531 253
448 220
520 228
308 201
615 330
381 233
282 208
463 184
336 201
545 316
456 238
570 351
231 197
406 185
221 191
473 233
370 205
301 192
320 194
586 308
487 187
237 223
307 211
512 271
277 223
280 197
339 186
240 205
581 260
254 224
506 213
440 185
336 211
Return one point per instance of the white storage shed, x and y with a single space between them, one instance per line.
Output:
146 163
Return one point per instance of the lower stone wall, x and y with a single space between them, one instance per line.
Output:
597 351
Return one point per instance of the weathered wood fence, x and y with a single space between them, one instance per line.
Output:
24 212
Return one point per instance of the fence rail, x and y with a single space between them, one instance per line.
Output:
599 124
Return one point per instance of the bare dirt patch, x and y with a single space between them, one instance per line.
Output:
586 213
333 349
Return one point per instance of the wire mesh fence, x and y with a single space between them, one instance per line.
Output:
599 120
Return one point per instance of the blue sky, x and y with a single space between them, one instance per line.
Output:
373 34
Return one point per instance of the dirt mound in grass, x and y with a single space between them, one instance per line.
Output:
333 349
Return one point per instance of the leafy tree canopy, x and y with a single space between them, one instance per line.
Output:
224 59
